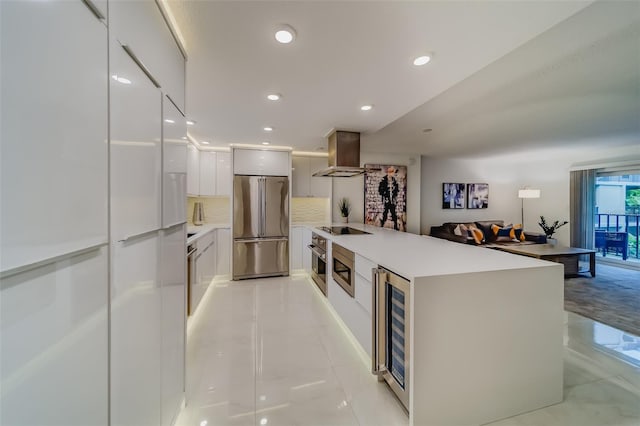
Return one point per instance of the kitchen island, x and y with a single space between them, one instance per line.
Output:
485 327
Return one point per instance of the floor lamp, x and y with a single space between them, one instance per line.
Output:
527 193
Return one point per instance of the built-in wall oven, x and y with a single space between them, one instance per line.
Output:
391 331
343 268
318 248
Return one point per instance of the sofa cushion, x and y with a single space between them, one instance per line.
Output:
485 227
508 233
476 234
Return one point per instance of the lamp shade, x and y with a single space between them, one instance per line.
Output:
529 193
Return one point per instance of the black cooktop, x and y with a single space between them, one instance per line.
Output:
342 230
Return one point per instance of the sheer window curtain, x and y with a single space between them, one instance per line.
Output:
582 209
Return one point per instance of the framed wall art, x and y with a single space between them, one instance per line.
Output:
453 195
477 195
385 196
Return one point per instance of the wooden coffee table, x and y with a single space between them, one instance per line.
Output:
568 256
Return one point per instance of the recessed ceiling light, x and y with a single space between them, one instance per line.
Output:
421 60
285 34
268 129
265 143
169 121
204 142
274 97
191 122
121 79
366 107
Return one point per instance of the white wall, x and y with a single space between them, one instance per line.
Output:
545 170
353 188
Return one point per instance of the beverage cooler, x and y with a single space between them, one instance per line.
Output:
391 331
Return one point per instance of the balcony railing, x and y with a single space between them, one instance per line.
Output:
616 224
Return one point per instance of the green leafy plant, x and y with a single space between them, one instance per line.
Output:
549 230
345 207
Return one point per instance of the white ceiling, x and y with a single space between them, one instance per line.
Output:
504 75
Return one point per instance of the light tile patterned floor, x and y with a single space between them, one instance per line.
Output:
269 352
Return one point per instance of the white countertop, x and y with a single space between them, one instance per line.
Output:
202 230
414 256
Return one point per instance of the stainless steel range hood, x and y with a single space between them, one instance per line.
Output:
344 155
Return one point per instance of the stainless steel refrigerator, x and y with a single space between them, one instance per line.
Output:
260 226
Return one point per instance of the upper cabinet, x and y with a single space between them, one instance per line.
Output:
53 110
223 173
141 26
193 170
208 173
258 162
136 114
303 183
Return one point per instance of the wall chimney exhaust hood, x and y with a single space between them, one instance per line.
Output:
344 155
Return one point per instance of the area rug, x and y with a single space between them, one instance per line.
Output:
612 297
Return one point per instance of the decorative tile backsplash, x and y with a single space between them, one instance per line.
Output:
216 209
310 210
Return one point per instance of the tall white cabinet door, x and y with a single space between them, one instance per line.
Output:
223 173
136 332
174 167
193 170
207 173
141 26
135 148
53 110
54 351
173 275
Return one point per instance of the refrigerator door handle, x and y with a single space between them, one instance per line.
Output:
259 240
263 217
260 208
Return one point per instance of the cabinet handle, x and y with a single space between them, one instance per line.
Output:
142 66
94 9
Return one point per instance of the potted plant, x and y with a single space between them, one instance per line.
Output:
345 208
549 230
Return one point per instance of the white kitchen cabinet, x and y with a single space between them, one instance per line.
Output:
295 245
261 162
363 291
193 170
207 173
135 149
174 168
205 268
53 109
306 251
54 348
136 332
223 251
173 289
223 173
303 183
141 26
